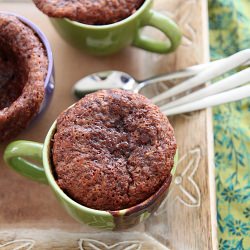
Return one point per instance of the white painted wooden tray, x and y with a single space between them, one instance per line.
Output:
30 216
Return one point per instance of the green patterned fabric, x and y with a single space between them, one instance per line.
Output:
229 33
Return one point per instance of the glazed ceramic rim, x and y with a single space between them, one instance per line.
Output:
43 39
112 25
52 182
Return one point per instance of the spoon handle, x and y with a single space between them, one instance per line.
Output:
184 73
212 71
228 83
211 101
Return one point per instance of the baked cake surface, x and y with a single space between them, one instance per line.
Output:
112 150
97 12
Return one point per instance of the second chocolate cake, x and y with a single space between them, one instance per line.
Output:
112 150
23 70
98 12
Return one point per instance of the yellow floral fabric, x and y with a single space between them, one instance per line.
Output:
229 22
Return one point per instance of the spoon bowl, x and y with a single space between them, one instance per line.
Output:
104 80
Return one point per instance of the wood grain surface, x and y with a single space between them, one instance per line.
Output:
30 216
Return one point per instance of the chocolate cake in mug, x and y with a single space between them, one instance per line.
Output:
23 69
104 27
109 159
112 150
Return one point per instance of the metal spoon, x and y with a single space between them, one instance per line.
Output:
197 75
122 80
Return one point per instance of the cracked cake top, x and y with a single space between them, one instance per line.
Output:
89 11
112 150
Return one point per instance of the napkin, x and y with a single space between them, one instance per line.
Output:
229 23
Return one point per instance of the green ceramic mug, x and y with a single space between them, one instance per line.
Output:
108 39
33 160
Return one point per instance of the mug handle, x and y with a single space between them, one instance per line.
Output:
164 24
15 154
